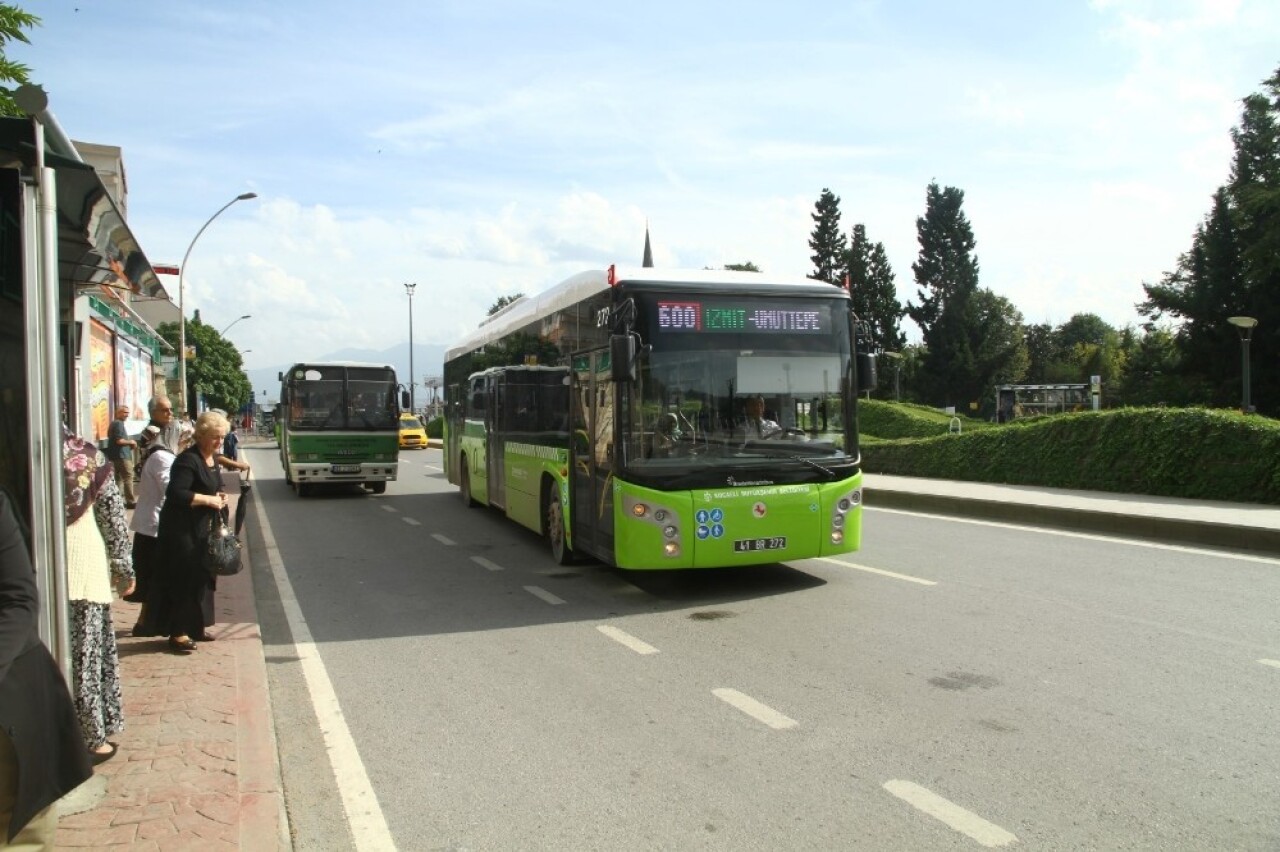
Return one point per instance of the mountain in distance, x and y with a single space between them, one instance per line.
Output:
428 363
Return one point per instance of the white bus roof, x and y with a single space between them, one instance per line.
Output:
578 287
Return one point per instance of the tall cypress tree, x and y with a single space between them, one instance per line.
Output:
873 291
947 275
828 244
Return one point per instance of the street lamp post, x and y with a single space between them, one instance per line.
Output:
409 288
223 333
182 313
1245 326
897 373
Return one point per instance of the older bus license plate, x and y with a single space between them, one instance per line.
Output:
345 468
746 545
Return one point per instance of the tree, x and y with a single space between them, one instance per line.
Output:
873 292
1232 266
947 275
216 372
745 266
503 301
12 23
829 245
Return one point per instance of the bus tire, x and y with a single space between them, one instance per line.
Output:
554 527
378 487
304 489
465 486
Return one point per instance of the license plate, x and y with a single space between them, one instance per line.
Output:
345 468
747 545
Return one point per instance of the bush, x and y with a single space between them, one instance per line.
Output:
435 427
1193 453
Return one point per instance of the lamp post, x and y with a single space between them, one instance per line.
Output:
896 357
182 313
223 333
1245 326
409 288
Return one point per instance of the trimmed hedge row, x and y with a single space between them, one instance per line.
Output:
1194 453
908 420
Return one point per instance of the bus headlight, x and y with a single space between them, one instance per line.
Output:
838 521
660 515
844 505
639 510
670 531
837 536
671 548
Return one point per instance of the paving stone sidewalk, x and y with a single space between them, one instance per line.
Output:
197 766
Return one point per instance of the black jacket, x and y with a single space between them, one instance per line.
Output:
36 712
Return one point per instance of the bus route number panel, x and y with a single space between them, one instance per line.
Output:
772 317
750 545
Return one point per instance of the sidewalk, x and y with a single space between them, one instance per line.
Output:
1204 523
197 766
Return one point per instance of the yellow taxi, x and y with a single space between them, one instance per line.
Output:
412 433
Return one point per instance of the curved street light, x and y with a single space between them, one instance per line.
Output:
182 313
223 333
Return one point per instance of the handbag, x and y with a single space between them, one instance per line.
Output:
222 548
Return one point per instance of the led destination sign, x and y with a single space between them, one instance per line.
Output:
777 318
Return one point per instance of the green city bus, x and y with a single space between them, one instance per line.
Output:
338 422
607 414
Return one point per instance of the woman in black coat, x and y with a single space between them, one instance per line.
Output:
42 753
180 602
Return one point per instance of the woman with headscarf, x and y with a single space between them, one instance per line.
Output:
97 554
163 446
182 597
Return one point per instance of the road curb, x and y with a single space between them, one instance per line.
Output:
1186 531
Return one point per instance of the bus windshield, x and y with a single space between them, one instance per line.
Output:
342 398
739 383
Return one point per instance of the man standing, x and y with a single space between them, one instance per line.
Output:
120 450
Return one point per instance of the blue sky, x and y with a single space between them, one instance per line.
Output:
485 148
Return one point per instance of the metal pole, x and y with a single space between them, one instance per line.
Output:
413 408
1247 404
182 313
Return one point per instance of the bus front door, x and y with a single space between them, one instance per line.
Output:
591 499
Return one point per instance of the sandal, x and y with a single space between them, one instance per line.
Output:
103 756
184 645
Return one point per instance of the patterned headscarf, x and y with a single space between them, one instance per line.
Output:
84 472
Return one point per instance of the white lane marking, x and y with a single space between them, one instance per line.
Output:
364 815
433 467
624 638
754 709
544 594
966 822
879 571
387 508
1272 663
443 539
492 566
414 522
1109 539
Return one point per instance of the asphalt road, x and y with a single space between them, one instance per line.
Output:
965 685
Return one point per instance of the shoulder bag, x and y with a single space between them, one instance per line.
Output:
222 548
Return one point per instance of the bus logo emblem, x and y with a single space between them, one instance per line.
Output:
759 510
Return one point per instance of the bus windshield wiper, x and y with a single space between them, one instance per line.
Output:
828 471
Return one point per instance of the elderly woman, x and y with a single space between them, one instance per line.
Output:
180 602
163 447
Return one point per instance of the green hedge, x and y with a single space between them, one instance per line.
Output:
1187 452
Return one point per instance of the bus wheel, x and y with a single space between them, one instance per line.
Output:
378 487
465 485
560 551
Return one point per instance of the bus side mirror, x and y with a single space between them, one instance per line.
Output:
867 379
404 400
622 358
